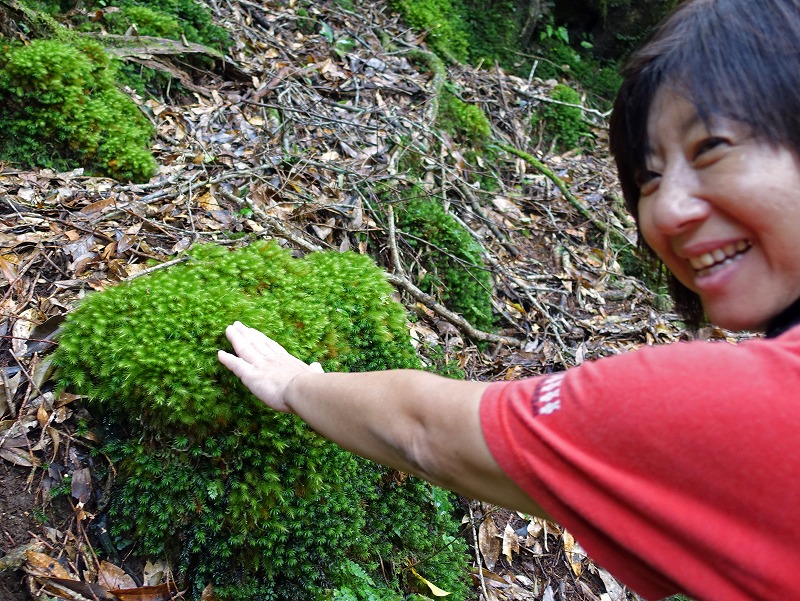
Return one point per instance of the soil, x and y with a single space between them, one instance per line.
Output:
18 524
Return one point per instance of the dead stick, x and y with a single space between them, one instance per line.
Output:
601 225
454 318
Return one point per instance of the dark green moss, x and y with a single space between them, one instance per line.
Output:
452 259
248 499
564 124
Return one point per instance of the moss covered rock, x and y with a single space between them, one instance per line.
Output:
237 495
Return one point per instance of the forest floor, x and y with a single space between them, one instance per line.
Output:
293 138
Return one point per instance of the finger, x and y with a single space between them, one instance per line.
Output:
257 337
239 367
317 367
242 345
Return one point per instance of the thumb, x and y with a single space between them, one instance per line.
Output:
317 367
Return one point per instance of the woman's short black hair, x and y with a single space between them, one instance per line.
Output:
738 59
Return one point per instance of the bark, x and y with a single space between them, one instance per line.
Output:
535 11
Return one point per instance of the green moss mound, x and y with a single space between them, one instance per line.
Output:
443 20
451 258
465 121
564 124
237 495
171 19
62 109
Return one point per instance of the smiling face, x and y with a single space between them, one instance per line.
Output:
721 209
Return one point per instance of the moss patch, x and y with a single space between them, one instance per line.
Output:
62 109
237 495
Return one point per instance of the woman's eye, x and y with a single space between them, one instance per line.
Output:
647 180
704 147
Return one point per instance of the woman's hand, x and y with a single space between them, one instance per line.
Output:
263 365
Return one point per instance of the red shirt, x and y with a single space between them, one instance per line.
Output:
677 467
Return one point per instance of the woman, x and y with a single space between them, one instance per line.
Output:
675 466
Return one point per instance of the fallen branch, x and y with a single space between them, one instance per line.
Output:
454 318
150 270
613 233
145 47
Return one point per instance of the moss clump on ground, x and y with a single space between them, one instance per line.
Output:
452 260
563 124
171 19
443 20
233 493
62 109
465 121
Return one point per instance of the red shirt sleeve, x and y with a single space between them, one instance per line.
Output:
676 466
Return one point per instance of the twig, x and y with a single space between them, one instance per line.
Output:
454 318
150 270
601 225
477 553
398 266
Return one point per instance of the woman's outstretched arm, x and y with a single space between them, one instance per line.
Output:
410 420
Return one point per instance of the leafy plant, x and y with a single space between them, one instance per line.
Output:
62 109
237 495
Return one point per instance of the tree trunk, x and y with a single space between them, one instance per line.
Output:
535 11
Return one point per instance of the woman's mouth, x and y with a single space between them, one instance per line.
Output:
709 262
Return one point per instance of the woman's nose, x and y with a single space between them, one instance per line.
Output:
677 204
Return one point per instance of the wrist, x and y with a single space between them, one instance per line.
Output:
297 390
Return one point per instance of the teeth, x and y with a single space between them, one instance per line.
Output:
719 255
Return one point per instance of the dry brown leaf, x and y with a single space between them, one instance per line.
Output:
154 572
81 486
21 457
99 206
22 328
113 577
489 542
42 565
42 416
574 552
55 436
510 543
144 593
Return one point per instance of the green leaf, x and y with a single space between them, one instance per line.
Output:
327 32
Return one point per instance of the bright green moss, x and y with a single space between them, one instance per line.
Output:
463 120
235 494
564 124
62 109
171 19
452 259
443 20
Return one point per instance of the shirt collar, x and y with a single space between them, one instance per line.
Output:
786 319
